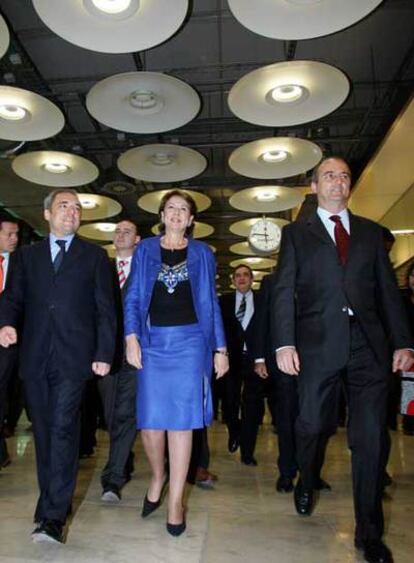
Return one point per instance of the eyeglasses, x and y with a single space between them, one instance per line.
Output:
331 176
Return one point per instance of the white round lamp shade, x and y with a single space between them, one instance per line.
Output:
201 230
128 26
299 19
288 93
266 199
275 157
26 116
4 37
254 262
151 201
162 163
143 102
96 207
98 231
54 168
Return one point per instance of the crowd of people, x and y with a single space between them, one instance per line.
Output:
149 328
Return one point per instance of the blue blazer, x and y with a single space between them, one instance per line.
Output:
146 264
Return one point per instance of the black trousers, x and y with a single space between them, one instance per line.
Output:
283 393
244 391
54 402
8 363
366 385
120 414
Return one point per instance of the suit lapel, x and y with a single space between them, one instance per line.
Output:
317 228
75 249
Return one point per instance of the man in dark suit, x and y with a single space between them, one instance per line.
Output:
242 385
62 287
9 237
119 390
336 307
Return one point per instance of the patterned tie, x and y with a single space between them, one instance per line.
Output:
57 262
121 272
341 238
241 310
1 273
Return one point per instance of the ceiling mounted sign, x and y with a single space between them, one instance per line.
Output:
26 116
151 201
266 199
299 19
143 102
275 157
4 37
288 93
162 163
54 168
113 26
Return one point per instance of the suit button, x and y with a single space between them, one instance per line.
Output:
344 309
51 307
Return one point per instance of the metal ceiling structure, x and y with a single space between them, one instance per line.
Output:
211 51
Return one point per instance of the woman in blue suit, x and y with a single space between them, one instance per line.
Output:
174 333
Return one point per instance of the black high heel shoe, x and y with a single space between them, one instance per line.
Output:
176 529
149 506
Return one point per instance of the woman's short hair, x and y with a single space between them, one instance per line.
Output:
187 198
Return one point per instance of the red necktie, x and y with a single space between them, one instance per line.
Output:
1 273
341 238
121 272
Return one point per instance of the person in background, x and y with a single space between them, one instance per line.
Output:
173 332
119 390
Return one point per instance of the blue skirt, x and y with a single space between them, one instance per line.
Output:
173 391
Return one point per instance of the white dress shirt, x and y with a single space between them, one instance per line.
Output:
6 256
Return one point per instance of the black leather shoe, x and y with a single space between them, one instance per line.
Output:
284 484
375 551
49 531
176 529
249 460
304 500
149 506
233 444
322 485
111 494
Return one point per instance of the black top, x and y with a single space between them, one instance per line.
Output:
172 301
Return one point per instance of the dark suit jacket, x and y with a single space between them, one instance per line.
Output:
262 342
313 292
71 312
235 335
119 355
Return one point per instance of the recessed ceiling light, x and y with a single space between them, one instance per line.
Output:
162 159
274 156
287 94
266 196
106 227
13 112
56 167
143 99
112 6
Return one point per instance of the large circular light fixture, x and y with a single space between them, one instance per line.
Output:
254 262
162 163
98 231
54 168
26 116
299 19
143 102
288 93
96 207
266 199
151 201
4 37
113 26
201 230
250 159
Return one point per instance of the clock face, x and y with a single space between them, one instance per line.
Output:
265 236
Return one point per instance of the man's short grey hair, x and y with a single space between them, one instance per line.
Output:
50 198
315 171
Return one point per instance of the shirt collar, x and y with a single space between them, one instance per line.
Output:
324 214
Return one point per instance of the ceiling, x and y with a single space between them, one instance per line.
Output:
210 51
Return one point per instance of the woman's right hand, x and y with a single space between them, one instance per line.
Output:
133 351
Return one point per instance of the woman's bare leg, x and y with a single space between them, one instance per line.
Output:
179 447
154 445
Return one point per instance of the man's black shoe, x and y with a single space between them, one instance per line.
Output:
284 484
304 500
49 531
322 485
375 551
111 494
233 444
249 460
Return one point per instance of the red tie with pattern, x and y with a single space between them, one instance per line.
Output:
341 238
121 272
1 273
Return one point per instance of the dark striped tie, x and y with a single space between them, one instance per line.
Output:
60 255
241 310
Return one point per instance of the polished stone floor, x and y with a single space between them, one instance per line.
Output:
243 520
